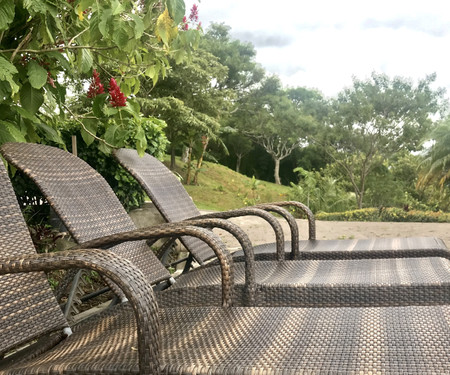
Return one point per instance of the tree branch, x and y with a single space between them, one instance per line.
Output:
87 130
21 44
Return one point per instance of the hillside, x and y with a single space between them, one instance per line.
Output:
221 188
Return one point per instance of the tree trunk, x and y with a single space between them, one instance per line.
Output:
188 172
205 141
172 158
185 154
277 171
238 163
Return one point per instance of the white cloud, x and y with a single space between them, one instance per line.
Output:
323 43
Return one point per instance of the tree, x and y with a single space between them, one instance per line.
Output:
375 119
46 44
273 121
435 165
189 101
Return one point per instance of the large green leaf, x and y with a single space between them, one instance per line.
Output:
98 104
91 125
10 133
6 13
7 70
50 133
30 98
120 36
37 75
85 60
141 141
138 26
177 9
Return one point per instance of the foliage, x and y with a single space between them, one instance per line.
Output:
190 102
320 192
375 119
124 185
45 45
386 214
273 121
436 161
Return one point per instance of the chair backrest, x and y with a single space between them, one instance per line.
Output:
83 200
166 192
28 308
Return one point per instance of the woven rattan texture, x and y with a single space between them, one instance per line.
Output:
379 340
377 282
82 198
28 308
172 200
373 248
166 192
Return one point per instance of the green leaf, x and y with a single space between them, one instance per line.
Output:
37 75
98 104
110 134
85 60
120 36
105 23
10 133
138 26
50 133
30 98
177 9
7 70
25 114
134 106
116 7
91 126
110 111
6 13
141 141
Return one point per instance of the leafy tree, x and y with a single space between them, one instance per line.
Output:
375 119
273 121
435 166
189 101
46 44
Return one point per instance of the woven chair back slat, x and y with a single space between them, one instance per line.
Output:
27 305
82 199
167 194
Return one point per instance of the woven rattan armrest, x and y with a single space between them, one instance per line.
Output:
305 209
131 281
251 211
179 230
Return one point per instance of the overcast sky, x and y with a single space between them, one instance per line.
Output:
322 44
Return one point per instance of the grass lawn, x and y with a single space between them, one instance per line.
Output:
220 188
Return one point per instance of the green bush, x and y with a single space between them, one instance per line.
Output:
386 214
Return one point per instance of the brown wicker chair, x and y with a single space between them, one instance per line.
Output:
172 201
139 338
90 211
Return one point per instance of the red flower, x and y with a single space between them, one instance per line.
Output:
96 86
117 99
194 13
50 80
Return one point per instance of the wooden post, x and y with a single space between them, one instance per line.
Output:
74 145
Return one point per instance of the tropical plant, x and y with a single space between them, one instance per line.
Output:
50 46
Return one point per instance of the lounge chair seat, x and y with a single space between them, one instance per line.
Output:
388 340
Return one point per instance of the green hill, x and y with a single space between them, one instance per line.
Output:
220 188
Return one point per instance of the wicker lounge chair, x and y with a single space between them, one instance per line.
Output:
172 201
90 211
139 338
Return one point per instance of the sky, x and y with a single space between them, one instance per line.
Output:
323 44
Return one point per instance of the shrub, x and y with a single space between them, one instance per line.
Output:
386 214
